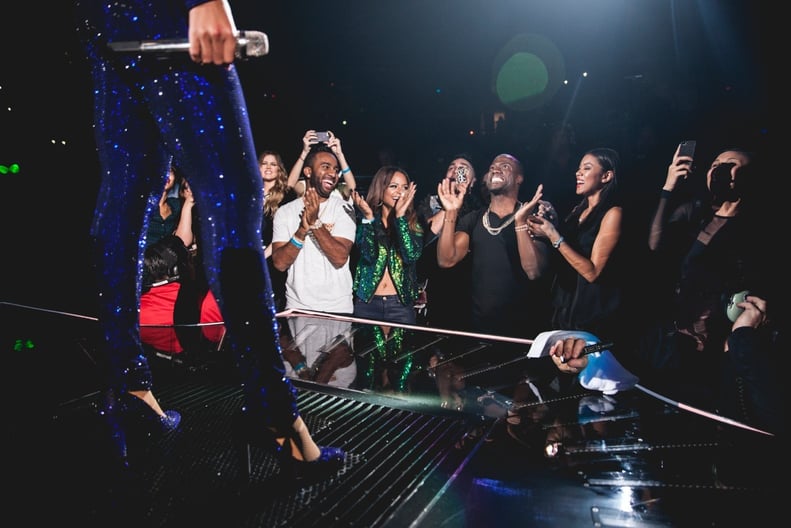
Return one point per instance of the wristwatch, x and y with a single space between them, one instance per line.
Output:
317 224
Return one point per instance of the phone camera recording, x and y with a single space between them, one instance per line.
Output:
461 175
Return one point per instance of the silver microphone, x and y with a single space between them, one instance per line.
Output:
248 44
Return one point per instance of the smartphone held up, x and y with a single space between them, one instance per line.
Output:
461 174
687 148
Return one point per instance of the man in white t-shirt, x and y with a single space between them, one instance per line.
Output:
312 238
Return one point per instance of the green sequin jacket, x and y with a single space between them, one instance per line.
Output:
380 251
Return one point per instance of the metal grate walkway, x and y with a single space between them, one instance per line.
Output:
398 461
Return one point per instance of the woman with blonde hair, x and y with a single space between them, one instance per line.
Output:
276 193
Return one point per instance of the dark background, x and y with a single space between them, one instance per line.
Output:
407 81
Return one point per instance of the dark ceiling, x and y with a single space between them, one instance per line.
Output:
414 79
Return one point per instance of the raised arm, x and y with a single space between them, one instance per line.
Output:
679 170
410 242
346 170
533 253
184 228
452 246
308 140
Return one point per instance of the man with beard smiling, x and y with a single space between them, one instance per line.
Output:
507 296
312 238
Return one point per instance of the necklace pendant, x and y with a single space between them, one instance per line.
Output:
494 231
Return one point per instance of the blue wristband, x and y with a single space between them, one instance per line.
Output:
346 170
296 243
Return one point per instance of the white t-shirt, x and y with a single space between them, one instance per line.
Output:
313 283
313 337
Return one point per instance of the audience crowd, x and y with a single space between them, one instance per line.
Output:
491 253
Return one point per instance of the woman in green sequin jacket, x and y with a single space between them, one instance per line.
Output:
390 241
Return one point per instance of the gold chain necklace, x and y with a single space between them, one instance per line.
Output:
496 230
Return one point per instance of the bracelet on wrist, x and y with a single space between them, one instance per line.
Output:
367 220
296 243
449 220
346 170
300 368
556 244
523 227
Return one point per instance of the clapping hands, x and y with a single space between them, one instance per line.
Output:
311 211
450 194
406 199
531 207
362 205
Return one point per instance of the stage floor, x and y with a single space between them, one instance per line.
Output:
555 458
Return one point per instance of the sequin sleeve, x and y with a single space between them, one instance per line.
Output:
410 242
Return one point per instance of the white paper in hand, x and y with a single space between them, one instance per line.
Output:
603 372
544 341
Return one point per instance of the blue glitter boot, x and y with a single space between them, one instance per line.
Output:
287 449
170 421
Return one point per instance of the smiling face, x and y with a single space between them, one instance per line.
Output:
323 173
398 185
590 175
504 175
269 168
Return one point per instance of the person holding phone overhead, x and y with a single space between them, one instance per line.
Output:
703 251
296 177
447 290
507 271
312 239
686 149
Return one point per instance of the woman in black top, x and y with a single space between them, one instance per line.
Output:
587 289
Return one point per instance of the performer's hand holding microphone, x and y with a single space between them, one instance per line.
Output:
248 44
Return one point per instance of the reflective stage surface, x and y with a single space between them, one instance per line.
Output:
441 429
